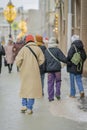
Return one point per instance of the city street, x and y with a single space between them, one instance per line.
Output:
60 19
65 114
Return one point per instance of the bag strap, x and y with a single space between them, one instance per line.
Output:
53 55
75 47
32 52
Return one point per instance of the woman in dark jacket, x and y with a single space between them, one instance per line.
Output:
72 68
53 56
2 52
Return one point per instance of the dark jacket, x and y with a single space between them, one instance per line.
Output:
71 67
17 46
51 64
2 52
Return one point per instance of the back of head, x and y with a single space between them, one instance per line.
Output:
39 40
52 42
29 38
45 40
10 40
74 38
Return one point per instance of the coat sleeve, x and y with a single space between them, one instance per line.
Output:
83 55
62 57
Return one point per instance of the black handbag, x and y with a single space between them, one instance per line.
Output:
5 62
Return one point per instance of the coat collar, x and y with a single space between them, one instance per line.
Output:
31 43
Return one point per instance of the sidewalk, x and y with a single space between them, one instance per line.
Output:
56 115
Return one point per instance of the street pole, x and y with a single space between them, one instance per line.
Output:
69 33
10 35
10 14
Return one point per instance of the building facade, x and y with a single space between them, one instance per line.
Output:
73 21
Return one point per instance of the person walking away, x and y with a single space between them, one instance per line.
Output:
2 53
17 46
39 42
76 71
9 54
28 60
53 58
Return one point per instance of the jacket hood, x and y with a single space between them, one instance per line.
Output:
78 44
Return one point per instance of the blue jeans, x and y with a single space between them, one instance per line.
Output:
28 103
78 79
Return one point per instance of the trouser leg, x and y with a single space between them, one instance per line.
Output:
72 85
58 83
24 101
42 81
30 103
51 79
79 83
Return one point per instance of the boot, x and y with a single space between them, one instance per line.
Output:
82 95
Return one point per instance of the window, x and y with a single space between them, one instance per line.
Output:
76 13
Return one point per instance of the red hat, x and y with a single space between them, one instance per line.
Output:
29 38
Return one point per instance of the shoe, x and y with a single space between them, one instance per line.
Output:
58 97
9 71
71 96
50 100
82 95
42 93
29 112
23 109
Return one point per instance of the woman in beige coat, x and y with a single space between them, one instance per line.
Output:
29 74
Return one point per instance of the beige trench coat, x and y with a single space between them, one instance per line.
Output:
29 71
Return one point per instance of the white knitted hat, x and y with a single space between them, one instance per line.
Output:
74 37
52 42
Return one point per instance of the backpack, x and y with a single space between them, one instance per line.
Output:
76 59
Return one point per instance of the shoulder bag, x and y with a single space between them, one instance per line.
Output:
32 52
53 56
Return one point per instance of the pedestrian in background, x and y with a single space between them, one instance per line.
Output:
2 52
28 60
53 58
9 54
46 40
40 43
75 74
17 46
